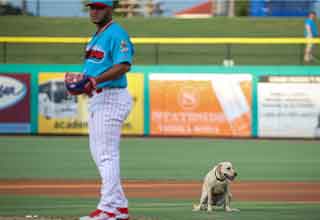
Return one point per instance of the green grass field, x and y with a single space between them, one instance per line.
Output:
158 27
161 158
41 157
152 209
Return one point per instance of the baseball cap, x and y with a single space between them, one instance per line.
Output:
101 3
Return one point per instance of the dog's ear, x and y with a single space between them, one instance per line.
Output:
219 169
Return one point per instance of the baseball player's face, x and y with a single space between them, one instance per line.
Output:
100 15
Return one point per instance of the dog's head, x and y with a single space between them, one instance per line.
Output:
226 170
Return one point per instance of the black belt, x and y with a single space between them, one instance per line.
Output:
99 90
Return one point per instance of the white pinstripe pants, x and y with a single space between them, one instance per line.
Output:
107 112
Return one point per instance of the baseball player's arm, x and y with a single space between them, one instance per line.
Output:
113 73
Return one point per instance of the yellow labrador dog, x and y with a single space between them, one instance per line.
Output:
215 188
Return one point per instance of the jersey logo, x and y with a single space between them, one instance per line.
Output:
94 54
123 46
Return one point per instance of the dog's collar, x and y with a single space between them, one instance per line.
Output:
221 180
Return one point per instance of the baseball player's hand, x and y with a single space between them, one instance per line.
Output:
90 86
77 84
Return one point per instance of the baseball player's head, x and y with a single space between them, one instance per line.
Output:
101 3
100 11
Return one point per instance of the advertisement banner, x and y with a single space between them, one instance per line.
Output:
15 103
60 113
134 124
289 106
200 104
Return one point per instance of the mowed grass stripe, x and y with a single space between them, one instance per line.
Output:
160 159
156 209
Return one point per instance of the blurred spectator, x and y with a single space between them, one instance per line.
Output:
8 9
157 9
310 32
153 8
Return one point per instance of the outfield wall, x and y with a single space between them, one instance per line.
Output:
217 101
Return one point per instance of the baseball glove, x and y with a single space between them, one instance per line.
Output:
77 84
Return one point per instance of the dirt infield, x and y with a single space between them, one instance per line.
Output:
242 191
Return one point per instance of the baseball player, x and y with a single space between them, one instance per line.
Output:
108 57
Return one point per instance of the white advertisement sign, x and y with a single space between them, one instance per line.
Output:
12 91
289 106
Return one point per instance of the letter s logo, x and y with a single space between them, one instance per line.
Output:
189 98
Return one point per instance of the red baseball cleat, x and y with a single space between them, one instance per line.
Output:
122 214
99 215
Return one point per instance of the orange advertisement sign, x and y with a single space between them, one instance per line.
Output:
200 104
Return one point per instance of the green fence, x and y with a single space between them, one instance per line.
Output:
163 50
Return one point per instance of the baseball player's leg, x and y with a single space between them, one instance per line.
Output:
92 138
105 152
104 144
110 167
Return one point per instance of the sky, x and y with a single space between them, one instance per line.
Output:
74 7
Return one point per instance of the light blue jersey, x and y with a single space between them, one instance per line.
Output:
313 27
106 49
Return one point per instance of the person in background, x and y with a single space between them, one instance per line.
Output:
310 32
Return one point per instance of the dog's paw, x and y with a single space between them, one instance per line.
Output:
195 207
228 209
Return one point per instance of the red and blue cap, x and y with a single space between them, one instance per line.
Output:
101 3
